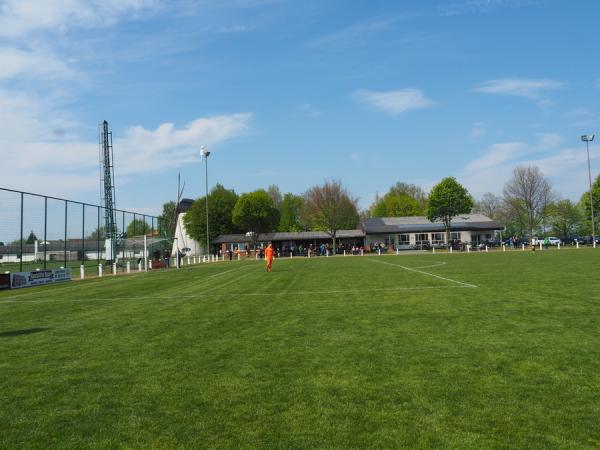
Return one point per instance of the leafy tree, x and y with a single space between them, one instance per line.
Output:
275 194
255 212
528 194
221 202
31 238
565 217
587 211
137 227
290 211
168 219
392 205
447 200
402 199
413 191
330 208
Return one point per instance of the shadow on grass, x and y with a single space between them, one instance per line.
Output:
14 333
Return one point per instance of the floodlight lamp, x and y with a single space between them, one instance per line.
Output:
203 152
588 137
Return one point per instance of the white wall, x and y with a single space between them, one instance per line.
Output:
183 240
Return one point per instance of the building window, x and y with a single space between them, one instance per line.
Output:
455 236
421 239
404 239
437 238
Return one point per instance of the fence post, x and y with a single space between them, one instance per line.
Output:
98 239
21 240
99 270
83 234
45 228
65 249
82 272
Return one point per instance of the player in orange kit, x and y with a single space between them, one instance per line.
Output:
269 256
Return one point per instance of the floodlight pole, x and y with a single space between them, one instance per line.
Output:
204 154
587 139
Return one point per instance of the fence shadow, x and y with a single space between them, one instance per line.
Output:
13 333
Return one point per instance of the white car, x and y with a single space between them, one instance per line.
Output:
554 240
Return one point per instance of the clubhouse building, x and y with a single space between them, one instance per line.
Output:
387 233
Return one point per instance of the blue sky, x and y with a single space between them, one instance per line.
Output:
292 93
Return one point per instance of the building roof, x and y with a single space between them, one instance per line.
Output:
415 224
184 205
287 236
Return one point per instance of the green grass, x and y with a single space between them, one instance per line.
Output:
352 352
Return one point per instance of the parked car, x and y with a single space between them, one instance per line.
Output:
553 240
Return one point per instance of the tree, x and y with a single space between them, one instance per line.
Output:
396 206
137 227
565 217
31 238
275 194
402 199
528 194
97 234
587 211
330 208
290 212
255 212
411 190
490 205
221 202
447 200
168 219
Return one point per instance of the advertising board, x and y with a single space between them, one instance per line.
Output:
39 277
4 281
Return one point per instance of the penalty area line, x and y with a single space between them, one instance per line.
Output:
410 269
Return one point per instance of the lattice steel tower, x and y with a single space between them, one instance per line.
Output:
107 190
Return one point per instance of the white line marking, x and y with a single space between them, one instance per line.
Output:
226 271
431 265
410 269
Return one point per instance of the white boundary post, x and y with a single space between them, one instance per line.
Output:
128 267
503 247
541 245
114 268
450 249
344 252
99 270
523 247
140 266
362 252
486 248
468 248
577 244
558 246
82 272
433 250
397 251
379 251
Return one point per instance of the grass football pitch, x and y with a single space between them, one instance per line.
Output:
485 350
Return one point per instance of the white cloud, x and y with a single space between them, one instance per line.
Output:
477 130
497 154
49 152
31 64
481 6
19 17
355 34
310 110
236 28
566 168
520 87
143 150
548 140
394 102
